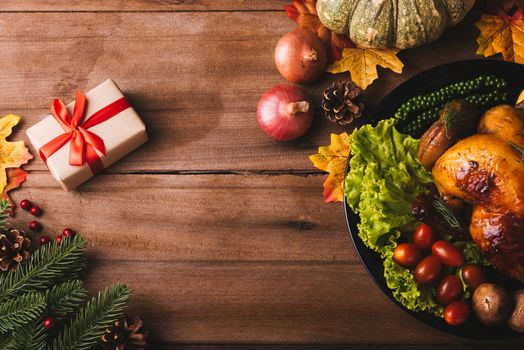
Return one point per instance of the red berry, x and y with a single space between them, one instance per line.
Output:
35 210
48 323
26 204
68 232
59 239
43 240
35 226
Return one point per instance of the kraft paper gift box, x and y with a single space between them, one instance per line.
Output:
109 129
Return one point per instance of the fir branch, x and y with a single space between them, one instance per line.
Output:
17 312
65 298
32 336
85 330
6 341
5 208
48 265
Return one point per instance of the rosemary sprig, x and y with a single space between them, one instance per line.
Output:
446 213
520 149
449 118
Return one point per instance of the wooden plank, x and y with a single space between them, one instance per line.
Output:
195 77
257 302
476 346
142 5
188 217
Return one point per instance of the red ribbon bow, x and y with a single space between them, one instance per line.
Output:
83 142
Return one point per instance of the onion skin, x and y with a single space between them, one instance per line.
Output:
300 56
285 112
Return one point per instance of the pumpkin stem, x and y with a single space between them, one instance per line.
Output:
513 10
297 107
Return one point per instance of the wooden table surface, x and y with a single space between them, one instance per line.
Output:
222 233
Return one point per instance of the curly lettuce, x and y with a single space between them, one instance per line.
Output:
384 179
406 291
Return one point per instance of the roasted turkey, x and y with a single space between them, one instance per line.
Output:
487 170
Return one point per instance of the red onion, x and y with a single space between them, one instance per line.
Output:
285 112
300 56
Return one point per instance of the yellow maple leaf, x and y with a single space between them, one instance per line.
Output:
12 154
333 159
362 64
503 35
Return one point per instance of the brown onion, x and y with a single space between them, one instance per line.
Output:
300 56
285 112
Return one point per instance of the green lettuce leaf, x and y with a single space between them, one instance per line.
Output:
406 291
384 179
472 254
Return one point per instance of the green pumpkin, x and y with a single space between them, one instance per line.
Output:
392 23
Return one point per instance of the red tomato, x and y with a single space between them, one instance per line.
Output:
406 254
473 275
457 313
428 269
424 237
448 253
449 289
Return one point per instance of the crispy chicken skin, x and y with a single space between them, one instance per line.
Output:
487 170
506 122
500 235
482 169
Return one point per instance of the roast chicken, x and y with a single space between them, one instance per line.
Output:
487 170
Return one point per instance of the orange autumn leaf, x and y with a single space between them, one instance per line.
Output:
15 177
362 64
333 159
304 13
502 31
12 156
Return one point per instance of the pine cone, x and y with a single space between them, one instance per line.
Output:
341 102
122 336
14 248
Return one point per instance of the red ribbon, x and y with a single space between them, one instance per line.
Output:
83 142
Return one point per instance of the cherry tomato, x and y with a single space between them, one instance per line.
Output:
457 313
407 254
428 269
448 253
424 237
473 275
449 289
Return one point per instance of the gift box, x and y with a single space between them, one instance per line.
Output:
81 139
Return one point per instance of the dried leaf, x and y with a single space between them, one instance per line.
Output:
304 13
15 177
333 159
362 64
12 155
502 31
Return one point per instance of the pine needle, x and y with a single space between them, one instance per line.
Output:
32 336
65 298
17 312
85 330
48 265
